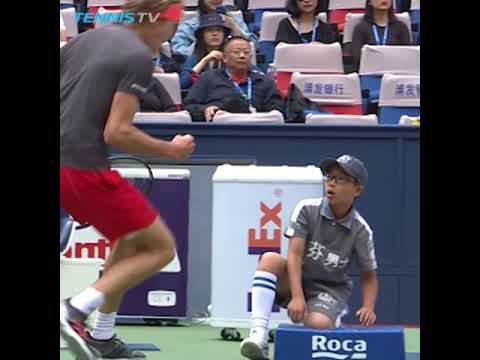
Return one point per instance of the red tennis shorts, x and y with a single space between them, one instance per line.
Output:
104 199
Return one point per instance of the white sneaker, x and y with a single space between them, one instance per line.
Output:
255 347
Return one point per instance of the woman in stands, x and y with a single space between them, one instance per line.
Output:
211 35
185 36
379 26
302 26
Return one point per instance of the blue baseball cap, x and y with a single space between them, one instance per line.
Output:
350 164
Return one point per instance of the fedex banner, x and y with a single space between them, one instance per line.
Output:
252 207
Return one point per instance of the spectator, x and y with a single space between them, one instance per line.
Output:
165 63
236 88
157 98
63 30
379 26
211 35
302 26
185 35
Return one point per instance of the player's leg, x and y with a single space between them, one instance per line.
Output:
269 281
324 311
121 250
103 338
135 258
145 244
153 248
317 320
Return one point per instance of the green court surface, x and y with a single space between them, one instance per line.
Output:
201 342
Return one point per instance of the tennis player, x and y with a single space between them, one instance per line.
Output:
103 74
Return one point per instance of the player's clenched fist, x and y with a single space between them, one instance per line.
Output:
184 146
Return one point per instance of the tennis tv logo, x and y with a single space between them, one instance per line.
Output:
115 16
323 348
266 240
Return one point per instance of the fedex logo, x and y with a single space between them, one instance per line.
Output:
261 241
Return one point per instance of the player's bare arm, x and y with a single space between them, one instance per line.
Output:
122 134
366 314
297 308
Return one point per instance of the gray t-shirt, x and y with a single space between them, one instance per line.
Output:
330 244
93 66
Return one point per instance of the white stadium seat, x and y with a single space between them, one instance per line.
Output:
171 82
379 60
272 117
68 16
341 119
162 118
400 91
105 3
187 15
345 89
266 4
310 58
346 4
415 5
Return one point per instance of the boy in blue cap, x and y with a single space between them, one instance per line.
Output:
312 283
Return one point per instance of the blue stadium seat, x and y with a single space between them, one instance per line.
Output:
258 7
415 16
370 83
392 115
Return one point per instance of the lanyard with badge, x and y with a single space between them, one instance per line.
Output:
247 96
377 36
314 34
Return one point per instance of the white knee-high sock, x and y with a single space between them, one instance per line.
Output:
103 328
263 295
88 300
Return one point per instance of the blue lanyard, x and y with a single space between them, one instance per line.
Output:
248 97
377 37
315 26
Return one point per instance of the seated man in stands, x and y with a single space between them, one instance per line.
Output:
236 88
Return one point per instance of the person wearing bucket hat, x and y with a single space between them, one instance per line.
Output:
185 36
312 283
207 54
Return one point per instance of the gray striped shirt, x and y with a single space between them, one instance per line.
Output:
330 245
